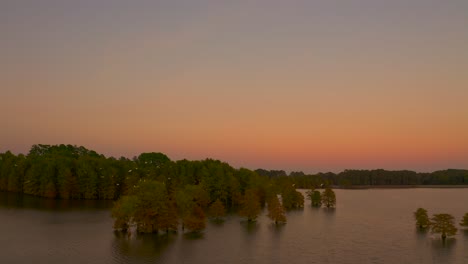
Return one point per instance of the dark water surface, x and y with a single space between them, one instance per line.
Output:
368 226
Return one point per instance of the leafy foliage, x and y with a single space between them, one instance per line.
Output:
217 210
276 210
196 219
251 205
422 219
443 224
315 198
328 197
292 199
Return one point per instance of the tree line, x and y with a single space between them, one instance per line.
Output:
380 177
71 172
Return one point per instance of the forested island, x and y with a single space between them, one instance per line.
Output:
72 172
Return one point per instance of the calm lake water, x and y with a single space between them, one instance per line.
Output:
368 226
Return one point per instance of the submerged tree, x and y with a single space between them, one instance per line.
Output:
422 219
217 210
250 205
329 198
154 210
315 198
195 221
123 212
443 224
292 199
276 210
464 221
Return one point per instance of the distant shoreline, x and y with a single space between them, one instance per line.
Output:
360 187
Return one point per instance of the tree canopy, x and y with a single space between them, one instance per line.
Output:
422 219
329 198
315 198
217 210
250 205
276 210
443 224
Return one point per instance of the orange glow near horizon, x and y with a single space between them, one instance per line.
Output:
296 86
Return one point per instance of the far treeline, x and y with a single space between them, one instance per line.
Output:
71 172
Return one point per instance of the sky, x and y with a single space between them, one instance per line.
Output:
299 85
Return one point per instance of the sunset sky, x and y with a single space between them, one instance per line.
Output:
309 85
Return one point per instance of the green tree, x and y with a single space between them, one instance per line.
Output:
185 203
329 197
443 224
154 211
217 210
291 198
276 210
250 205
315 198
464 221
422 219
123 212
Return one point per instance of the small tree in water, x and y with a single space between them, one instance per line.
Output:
250 206
422 220
315 198
328 198
276 210
217 210
443 224
464 221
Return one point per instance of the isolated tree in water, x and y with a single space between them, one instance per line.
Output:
443 224
315 198
422 219
217 210
276 210
464 221
250 205
328 197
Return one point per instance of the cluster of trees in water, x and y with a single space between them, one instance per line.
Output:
443 224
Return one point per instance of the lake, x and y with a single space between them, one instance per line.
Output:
368 226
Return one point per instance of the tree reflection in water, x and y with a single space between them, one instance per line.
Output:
143 247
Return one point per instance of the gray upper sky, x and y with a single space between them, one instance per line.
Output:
296 85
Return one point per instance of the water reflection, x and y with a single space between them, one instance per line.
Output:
194 235
421 234
359 231
217 222
464 231
141 246
329 214
250 227
315 208
23 201
443 250
276 229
